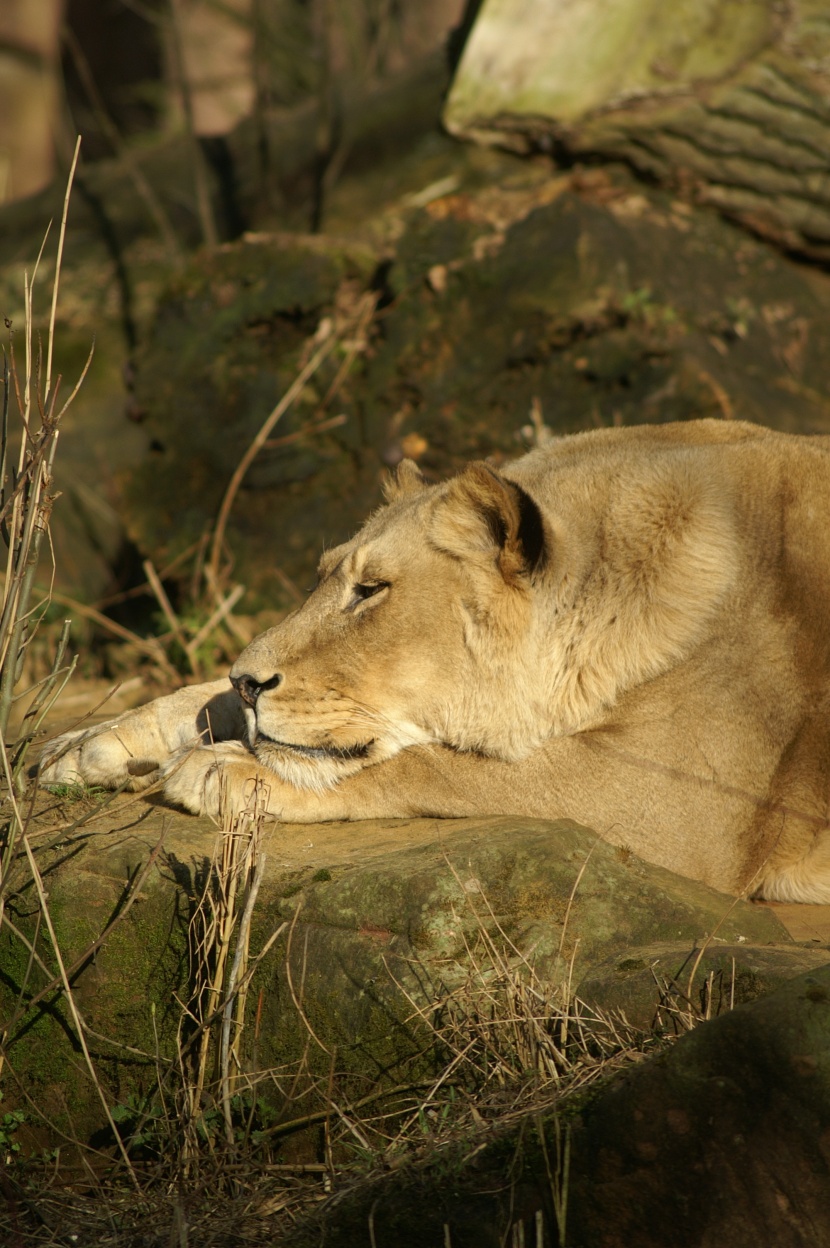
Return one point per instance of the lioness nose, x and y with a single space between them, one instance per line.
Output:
249 688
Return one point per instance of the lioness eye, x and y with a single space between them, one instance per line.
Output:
369 589
364 590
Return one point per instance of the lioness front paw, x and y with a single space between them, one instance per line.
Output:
219 780
99 756
131 749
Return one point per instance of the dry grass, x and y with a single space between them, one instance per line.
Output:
509 1042
27 455
198 627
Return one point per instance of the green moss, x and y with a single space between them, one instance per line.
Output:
135 971
354 937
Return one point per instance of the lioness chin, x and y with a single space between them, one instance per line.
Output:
629 627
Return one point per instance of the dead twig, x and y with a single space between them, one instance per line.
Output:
328 336
328 341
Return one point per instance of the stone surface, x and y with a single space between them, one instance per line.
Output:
371 909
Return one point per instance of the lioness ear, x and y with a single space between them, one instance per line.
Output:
406 479
483 514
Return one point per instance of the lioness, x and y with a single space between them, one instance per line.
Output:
630 627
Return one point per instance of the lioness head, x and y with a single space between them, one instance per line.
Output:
422 629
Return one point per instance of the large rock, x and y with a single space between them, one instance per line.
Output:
720 1144
504 286
372 909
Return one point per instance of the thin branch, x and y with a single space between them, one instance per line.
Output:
325 349
223 610
166 606
59 261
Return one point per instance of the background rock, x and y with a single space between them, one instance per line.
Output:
574 298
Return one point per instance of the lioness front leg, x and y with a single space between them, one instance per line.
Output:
222 779
422 781
130 749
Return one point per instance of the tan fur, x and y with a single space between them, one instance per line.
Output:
629 627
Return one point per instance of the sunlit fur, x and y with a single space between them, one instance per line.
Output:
629 627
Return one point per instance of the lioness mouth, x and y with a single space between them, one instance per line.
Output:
345 752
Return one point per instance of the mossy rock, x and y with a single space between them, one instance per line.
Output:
226 344
376 916
576 296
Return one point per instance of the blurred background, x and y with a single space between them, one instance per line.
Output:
119 70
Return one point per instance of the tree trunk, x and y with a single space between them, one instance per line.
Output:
727 101
263 172
28 94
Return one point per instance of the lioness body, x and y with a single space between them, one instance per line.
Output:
630 627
